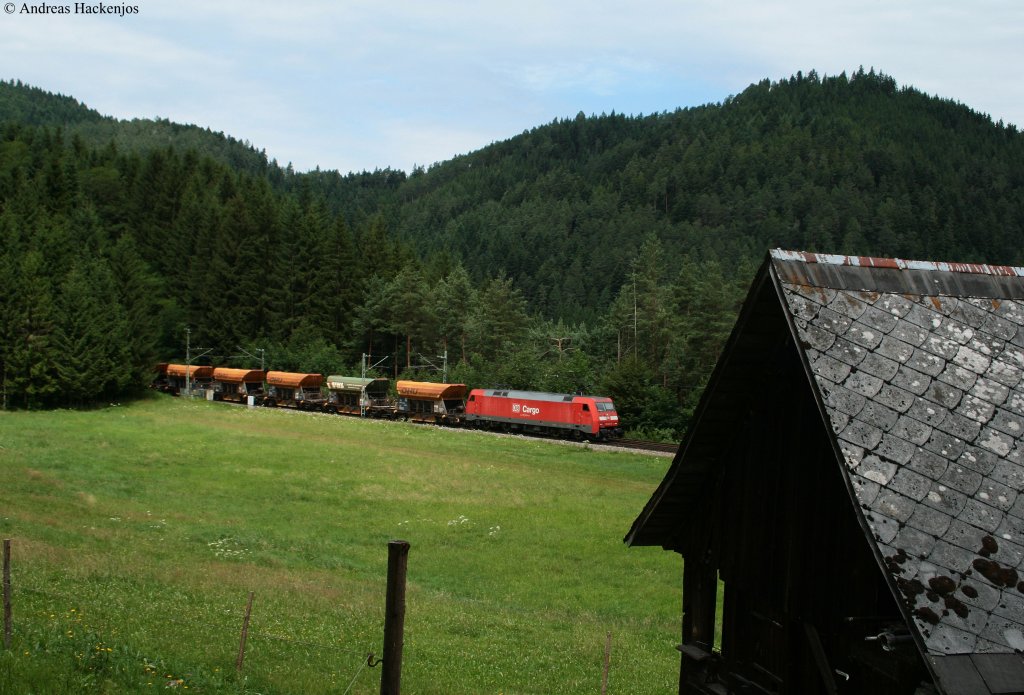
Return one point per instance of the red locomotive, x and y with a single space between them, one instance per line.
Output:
593 417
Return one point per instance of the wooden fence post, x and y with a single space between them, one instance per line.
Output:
394 618
245 634
7 593
607 663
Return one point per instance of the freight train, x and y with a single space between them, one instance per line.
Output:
528 412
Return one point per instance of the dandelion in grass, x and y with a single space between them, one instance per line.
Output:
460 520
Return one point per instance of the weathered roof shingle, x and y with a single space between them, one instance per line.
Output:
923 387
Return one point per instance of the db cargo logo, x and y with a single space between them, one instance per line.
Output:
525 410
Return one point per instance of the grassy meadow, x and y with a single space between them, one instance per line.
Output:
139 530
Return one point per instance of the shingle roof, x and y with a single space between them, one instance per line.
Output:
919 369
924 392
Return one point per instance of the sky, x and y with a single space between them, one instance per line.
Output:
360 85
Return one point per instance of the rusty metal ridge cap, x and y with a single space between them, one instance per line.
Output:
897 263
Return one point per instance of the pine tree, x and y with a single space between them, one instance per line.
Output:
498 319
31 363
454 300
339 282
137 292
256 262
91 337
411 304
155 201
371 319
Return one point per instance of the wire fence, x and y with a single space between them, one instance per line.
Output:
337 647
98 619
210 630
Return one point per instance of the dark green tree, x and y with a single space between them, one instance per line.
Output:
32 360
498 320
454 299
410 300
92 339
138 294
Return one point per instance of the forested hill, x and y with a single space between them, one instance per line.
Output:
20 103
853 165
607 252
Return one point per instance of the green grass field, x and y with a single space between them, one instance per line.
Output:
138 532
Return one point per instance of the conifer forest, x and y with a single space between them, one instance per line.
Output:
606 253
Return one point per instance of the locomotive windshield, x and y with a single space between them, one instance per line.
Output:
604 407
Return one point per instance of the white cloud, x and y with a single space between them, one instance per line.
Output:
361 84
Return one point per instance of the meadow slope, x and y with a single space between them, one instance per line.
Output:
139 531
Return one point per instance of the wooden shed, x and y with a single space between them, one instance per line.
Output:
847 495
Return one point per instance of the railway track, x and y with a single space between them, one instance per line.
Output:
634 444
644 445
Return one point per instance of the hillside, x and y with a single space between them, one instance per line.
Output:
601 253
20 103
853 165
138 532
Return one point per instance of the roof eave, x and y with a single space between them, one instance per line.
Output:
636 535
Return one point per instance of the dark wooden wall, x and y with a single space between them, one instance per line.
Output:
802 586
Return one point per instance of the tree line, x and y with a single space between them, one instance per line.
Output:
607 254
110 255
